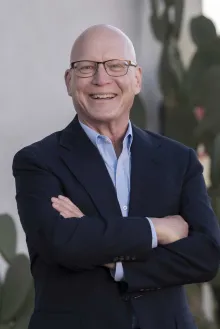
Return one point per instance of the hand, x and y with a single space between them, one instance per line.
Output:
170 229
111 266
66 208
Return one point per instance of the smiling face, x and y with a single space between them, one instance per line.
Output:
101 97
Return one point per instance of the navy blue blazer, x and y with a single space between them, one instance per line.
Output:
72 288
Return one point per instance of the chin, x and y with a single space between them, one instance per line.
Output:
104 116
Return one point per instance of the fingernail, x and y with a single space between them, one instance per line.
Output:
60 196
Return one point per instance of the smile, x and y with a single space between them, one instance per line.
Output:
103 96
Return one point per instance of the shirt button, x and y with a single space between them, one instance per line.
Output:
125 207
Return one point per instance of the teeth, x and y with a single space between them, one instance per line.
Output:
102 96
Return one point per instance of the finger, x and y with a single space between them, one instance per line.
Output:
64 205
66 200
54 199
64 212
59 206
63 200
65 215
70 206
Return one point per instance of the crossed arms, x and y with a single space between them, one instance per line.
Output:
188 252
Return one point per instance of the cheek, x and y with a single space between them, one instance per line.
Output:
79 89
127 85
127 89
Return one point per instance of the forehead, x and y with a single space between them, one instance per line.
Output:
101 46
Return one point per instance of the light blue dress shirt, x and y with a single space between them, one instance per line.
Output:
119 170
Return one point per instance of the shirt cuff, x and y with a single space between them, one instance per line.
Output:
154 234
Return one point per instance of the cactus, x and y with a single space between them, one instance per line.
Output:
167 30
16 292
190 108
175 109
207 55
7 238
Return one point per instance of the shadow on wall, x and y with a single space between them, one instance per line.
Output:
17 290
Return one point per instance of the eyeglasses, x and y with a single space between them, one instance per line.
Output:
113 67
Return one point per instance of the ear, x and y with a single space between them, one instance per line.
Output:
68 81
138 80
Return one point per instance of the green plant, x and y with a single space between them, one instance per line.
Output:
167 30
191 98
16 291
194 294
175 107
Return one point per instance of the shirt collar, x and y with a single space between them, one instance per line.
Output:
94 135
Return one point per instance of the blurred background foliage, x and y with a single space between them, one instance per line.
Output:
16 290
190 114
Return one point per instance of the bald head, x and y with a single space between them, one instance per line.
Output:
102 42
103 94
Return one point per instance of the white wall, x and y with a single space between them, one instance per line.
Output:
36 37
211 9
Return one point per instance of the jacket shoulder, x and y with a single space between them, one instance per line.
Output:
40 149
166 142
173 153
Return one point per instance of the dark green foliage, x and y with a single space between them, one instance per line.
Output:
17 291
191 103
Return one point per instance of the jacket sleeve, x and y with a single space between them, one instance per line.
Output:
189 260
75 243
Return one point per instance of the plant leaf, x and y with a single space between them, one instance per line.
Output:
5 326
28 305
16 288
22 323
7 237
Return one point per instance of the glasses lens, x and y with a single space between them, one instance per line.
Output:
85 68
116 67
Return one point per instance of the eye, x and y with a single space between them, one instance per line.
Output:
117 66
87 67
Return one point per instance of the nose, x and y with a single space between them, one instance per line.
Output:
101 77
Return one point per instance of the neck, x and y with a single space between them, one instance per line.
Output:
115 131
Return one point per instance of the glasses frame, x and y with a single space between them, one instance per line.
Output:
130 63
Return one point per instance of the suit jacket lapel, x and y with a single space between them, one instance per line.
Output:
86 164
144 168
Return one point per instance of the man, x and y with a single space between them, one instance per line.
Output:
117 219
